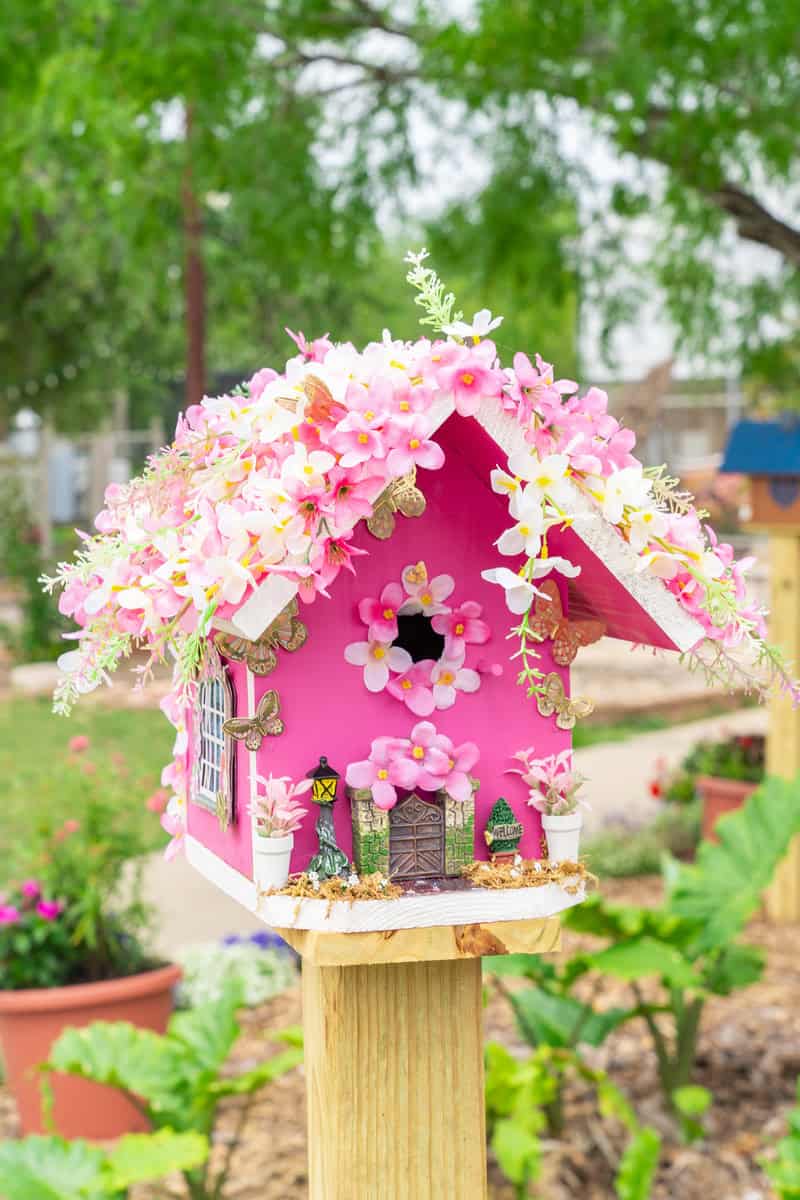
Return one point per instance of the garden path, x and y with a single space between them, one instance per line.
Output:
191 910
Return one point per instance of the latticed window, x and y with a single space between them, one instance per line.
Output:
213 747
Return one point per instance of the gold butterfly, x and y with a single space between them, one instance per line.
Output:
418 573
266 722
403 496
553 699
286 631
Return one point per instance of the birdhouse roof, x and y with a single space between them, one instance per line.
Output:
763 448
634 605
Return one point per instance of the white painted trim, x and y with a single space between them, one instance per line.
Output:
226 878
252 768
604 541
417 912
367 916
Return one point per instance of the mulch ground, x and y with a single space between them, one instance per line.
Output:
749 1059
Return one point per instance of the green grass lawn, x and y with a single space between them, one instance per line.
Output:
44 785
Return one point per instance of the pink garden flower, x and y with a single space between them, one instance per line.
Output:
553 784
431 751
413 687
470 380
173 825
387 769
31 888
277 810
314 350
77 744
381 615
9 914
461 627
412 447
377 659
157 802
457 782
355 441
49 910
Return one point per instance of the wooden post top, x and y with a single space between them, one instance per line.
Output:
436 943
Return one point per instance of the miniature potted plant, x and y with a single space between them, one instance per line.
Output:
553 790
71 950
278 815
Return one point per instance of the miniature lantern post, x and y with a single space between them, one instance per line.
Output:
768 452
329 860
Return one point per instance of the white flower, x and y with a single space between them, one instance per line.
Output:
517 860
543 566
645 524
309 468
222 577
377 658
519 593
352 880
623 489
503 483
449 677
482 324
526 535
546 477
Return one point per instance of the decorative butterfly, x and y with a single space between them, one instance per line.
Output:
403 496
286 631
266 722
553 699
321 405
418 573
548 621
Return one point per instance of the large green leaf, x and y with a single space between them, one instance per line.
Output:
618 922
724 887
260 1076
518 1150
49 1168
142 1156
562 1020
640 957
737 966
208 1032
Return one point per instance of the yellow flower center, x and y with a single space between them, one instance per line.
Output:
467 379
308 469
378 652
459 628
363 438
418 752
524 530
406 685
404 406
383 773
413 444
388 614
446 677
426 598
369 415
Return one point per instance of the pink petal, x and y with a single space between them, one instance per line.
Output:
404 772
444 695
357 653
360 774
458 786
420 701
468 680
392 596
399 659
383 794
423 733
430 456
368 610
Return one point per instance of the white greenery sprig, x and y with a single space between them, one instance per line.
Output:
437 303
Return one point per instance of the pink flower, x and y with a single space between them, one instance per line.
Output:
411 447
377 659
387 768
381 615
70 826
413 687
450 676
316 350
457 782
259 381
460 627
351 501
278 812
355 441
49 910
425 595
31 888
158 801
470 380
431 752
78 744
9 915
173 825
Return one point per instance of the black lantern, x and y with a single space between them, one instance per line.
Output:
323 789
330 860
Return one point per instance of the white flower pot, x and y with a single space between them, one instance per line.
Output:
563 835
273 855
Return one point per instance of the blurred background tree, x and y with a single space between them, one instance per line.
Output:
325 135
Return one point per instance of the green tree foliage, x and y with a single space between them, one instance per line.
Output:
501 815
178 1078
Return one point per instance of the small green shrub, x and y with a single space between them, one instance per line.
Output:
618 853
783 1170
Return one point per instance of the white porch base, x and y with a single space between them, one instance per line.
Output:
372 916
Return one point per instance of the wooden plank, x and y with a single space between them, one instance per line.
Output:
394 1070
783 742
540 935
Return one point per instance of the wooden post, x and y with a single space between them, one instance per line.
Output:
394 1057
783 742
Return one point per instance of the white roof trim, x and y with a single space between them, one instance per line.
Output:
604 541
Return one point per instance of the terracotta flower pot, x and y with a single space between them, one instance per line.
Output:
721 796
32 1019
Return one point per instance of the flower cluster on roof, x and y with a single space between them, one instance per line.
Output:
275 477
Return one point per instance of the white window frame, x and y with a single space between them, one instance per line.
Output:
214 705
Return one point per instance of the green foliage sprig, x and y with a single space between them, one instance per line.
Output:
437 303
